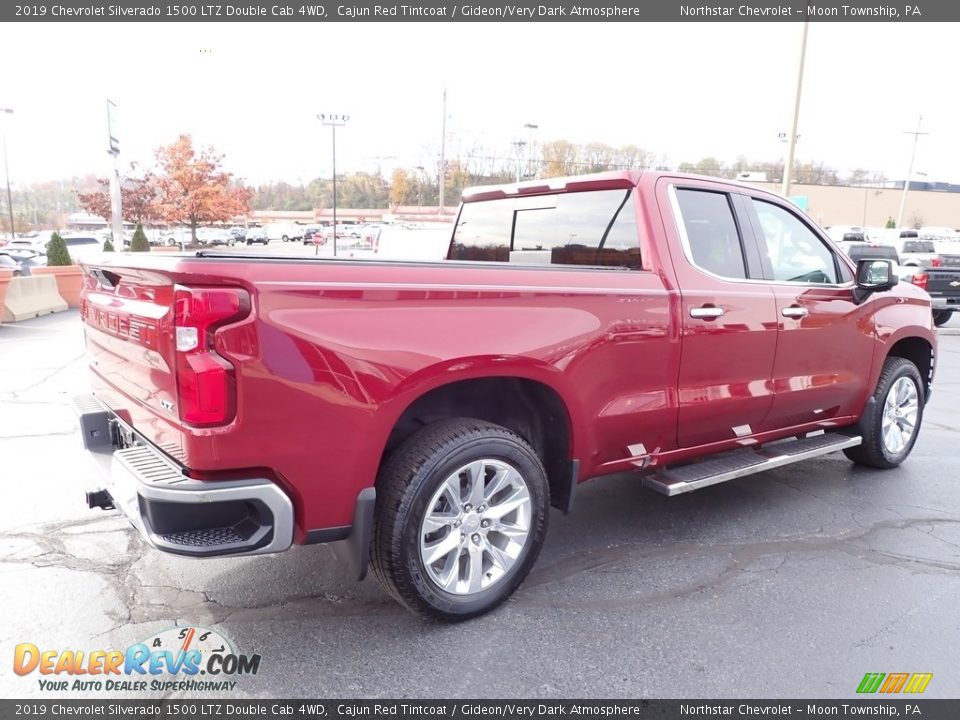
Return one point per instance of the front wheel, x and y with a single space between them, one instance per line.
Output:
462 511
942 317
891 422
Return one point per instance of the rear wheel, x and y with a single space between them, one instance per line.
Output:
462 511
890 430
942 317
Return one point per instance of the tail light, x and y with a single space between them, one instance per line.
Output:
920 280
935 262
206 383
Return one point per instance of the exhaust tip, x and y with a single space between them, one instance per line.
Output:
99 499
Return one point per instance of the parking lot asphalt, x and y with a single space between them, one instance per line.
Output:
792 583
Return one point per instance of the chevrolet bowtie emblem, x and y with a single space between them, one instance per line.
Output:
955 283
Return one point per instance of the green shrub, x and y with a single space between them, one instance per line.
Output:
57 253
108 247
139 242
891 223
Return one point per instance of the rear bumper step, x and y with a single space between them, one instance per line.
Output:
173 512
739 463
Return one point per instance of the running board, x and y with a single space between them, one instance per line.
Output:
738 463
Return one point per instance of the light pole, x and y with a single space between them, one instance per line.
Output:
6 170
333 121
246 215
519 145
116 195
530 128
443 148
792 139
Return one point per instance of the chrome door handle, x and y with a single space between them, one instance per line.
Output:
794 312
706 313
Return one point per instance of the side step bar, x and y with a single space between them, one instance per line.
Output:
738 463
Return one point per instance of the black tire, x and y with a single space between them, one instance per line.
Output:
942 317
872 452
285 238
405 486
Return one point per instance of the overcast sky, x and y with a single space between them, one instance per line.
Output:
680 90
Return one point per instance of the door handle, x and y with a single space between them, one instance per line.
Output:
707 312
795 311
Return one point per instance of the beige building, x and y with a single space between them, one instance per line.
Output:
869 206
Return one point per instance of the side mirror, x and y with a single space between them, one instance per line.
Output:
874 275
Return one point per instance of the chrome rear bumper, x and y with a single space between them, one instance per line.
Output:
175 513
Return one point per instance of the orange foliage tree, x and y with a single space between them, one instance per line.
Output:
195 189
138 199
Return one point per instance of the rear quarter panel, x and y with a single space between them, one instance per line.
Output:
341 358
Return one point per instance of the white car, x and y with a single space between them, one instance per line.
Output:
215 236
428 242
83 247
175 236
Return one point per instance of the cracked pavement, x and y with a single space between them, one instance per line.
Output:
792 583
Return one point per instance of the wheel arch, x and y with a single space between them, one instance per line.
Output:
530 407
918 350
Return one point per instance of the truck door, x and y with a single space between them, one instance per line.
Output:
826 341
729 321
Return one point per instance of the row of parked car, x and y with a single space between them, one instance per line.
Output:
927 257
23 254
915 247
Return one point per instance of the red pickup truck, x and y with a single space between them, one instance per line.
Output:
426 415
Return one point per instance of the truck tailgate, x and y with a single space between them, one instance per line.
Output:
944 282
129 330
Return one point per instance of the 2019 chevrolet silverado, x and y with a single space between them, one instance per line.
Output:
426 415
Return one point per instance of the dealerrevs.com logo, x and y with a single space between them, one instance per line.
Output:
179 659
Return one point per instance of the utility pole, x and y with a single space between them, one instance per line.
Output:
906 183
333 121
443 148
6 170
792 140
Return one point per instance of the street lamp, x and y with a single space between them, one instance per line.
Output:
519 145
792 137
530 128
334 121
6 170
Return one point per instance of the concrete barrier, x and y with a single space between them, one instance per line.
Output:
30 297
5 277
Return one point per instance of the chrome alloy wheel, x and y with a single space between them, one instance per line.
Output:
900 411
476 526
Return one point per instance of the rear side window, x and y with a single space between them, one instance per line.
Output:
712 235
595 228
919 246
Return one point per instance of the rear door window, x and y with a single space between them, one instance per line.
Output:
712 237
